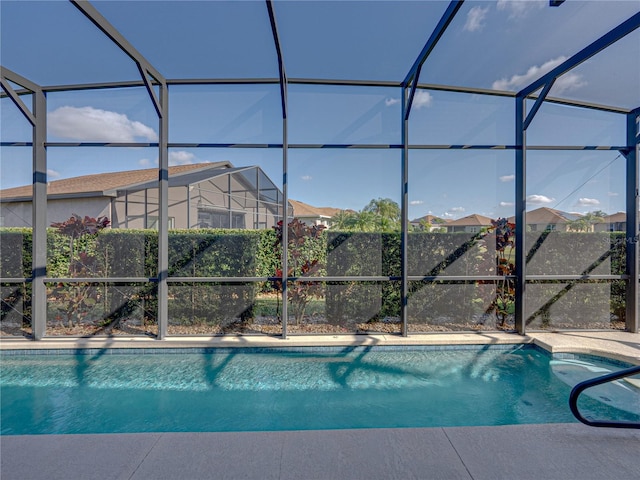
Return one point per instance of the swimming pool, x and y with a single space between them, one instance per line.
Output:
118 391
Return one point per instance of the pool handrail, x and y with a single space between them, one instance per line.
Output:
582 386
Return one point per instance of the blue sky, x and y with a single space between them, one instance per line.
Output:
340 40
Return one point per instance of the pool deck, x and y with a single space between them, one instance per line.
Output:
540 452
550 451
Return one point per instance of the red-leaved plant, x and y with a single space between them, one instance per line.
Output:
78 299
301 264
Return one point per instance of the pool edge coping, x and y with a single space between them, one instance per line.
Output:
597 344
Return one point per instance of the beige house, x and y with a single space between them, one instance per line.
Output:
612 223
548 219
313 215
469 224
204 195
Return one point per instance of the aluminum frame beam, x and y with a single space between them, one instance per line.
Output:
285 149
632 234
414 73
116 37
160 105
37 117
404 216
163 220
586 53
520 214
6 76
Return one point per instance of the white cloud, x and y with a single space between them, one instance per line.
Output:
520 8
96 125
533 73
180 157
145 162
422 99
588 202
416 202
391 101
475 19
567 82
506 204
52 173
613 194
539 199
507 178
456 210
306 178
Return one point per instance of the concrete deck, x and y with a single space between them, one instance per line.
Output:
553 451
548 452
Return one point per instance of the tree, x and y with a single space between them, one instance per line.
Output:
586 222
379 215
343 220
385 207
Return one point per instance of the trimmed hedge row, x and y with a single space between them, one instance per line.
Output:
246 253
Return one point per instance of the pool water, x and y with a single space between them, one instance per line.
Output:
240 390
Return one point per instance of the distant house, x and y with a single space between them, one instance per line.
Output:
469 224
313 215
548 219
428 223
203 195
612 223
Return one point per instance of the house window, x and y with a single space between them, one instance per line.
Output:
550 228
220 219
473 229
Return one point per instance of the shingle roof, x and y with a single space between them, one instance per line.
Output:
618 217
301 209
471 221
546 215
104 182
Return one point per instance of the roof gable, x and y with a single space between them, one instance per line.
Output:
301 209
471 221
101 183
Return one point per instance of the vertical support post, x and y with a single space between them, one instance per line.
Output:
126 209
163 214
632 266
39 216
145 219
188 207
285 151
404 235
285 227
521 192
229 199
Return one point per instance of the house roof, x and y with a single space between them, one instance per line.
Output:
103 183
430 219
474 220
301 209
546 215
617 217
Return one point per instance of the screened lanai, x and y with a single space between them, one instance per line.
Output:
386 111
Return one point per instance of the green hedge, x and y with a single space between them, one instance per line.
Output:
212 253
245 253
15 262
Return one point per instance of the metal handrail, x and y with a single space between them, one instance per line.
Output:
582 386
